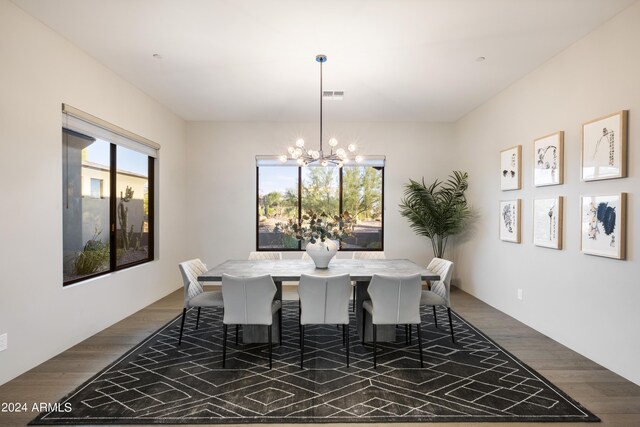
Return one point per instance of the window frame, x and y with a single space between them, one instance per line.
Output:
340 208
113 198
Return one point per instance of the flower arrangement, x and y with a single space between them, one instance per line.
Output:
315 227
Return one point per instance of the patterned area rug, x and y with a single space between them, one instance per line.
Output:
473 380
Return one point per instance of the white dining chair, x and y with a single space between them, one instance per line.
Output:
364 255
249 301
264 255
194 294
324 300
395 300
440 292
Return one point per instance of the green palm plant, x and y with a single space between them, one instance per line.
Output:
437 211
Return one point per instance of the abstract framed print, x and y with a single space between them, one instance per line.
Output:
548 162
603 225
510 220
604 147
547 222
510 168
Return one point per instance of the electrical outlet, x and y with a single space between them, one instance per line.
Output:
4 342
520 294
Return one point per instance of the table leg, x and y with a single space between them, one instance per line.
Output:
260 333
385 332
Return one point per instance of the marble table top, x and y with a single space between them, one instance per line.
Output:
291 269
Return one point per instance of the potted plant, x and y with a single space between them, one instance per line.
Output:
437 211
319 231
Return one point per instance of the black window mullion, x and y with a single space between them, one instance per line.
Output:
151 208
112 208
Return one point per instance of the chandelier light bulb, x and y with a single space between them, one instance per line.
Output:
340 164
315 155
291 150
340 152
333 142
300 142
352 147
359 159
300 162
324 163
283 158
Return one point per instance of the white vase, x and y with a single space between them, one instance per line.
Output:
322 252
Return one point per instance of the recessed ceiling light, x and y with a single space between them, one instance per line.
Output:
157 56
480 58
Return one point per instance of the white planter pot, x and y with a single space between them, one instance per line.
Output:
322 252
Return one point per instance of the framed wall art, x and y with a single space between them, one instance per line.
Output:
547 222
603 225
549 157
604 147
510 167
510 220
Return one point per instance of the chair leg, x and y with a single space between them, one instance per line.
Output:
451 325
270 347
347 335
406 334
184 314
410 338
364 323
237 330
280 326
435 317
375 338
343 336
420 344
224 344
198 318
301 346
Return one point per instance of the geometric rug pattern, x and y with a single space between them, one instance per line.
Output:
158 382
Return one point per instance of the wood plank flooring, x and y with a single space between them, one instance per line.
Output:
612 398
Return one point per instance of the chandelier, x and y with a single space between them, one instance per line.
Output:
336 156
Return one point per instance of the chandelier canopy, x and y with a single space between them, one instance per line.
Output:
335 156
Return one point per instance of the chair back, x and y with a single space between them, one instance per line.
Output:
369 255
444 269
248 300
324 300
395 299
190 270
264 255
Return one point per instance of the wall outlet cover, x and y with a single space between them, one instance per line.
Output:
4 342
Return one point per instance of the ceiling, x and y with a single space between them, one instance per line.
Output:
254 60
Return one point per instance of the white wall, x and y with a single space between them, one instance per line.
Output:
39 71
222 178
588 303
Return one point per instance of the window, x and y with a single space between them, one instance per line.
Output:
286 191
96 188
108 192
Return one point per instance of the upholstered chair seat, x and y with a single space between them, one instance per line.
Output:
395 300
440 292
324 300
194 294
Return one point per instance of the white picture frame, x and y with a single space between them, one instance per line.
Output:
603 225
548 162
509 219
604 147
547 222
511 168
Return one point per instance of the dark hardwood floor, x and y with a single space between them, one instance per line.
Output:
612 398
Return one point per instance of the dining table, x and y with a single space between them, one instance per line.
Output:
284 270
